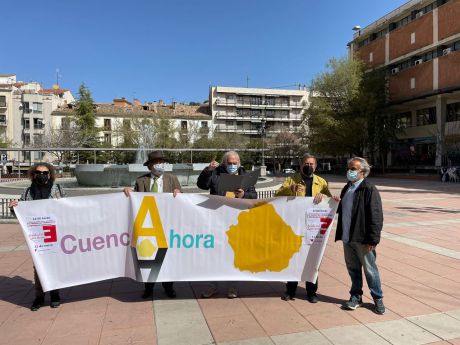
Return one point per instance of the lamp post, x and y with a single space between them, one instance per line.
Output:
262 128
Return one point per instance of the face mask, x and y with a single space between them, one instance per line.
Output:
42 179
352 175
307 170
159 168
232 168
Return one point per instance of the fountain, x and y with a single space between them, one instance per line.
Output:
112 175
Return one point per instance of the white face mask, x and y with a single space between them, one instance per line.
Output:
159 168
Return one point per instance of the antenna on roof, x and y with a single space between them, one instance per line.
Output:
58 75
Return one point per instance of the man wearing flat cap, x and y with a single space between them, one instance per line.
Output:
156 181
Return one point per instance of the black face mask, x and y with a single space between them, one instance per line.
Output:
42 179
307 170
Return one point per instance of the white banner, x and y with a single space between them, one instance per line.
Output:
156 237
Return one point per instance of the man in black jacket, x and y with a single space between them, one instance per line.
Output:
209 179
359 227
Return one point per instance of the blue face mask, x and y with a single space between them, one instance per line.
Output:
232 168
352 175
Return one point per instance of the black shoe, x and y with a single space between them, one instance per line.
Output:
287 296
55 300
379 306
171 293
312 297
148 293
38 303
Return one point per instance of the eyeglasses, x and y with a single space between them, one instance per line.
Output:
42 173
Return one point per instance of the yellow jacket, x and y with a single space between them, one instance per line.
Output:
319 186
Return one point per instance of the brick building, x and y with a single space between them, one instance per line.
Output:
419 46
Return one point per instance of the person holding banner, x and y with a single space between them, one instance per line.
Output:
209 180
42 176
305 183
156 181
359 227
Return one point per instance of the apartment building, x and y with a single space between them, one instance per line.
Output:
419 46
243 110
114 118
25 114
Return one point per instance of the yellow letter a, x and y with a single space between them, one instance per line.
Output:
149 205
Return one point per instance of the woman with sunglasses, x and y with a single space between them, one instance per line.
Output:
42 176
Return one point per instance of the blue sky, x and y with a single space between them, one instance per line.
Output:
171 49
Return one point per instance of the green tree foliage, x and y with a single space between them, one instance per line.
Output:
346 116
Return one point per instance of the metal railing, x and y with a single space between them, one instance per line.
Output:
265 194
5 212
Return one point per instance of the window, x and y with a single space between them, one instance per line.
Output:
240 99
25 107
204 124
107 125
107 138
2 101
230 98
39 155
453 112
126 124
426 116
269 100
65 123
38 123
269 113
26 155
38 139
284 100
26 138
404 120
229 123
26 123
256 112
2 119
256 100
183 125
37 107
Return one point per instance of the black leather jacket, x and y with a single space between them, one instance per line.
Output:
209 179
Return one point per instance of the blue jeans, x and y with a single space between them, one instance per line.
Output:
357 258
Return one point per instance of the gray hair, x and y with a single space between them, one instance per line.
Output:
365 166
306 156
231 153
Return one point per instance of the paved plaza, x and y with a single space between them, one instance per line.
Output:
419 261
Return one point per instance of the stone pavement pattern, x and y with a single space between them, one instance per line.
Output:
419 261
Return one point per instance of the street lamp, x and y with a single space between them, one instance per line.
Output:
262 129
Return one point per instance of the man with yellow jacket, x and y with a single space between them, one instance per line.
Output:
307 184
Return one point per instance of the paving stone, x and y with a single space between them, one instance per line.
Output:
442 325
358 334
303 338
402 332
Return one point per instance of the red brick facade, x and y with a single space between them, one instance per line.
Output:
400 83
449 70
449 19
377 48
400 39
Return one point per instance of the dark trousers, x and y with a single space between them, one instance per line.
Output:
166 285
38 287
311 288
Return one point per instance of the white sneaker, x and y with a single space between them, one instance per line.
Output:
211 291
232 293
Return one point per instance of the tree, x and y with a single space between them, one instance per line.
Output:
347 112
85 121
285 146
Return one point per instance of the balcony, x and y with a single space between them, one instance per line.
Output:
258 118
261 105
246 130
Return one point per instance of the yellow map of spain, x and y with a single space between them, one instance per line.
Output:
262 241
